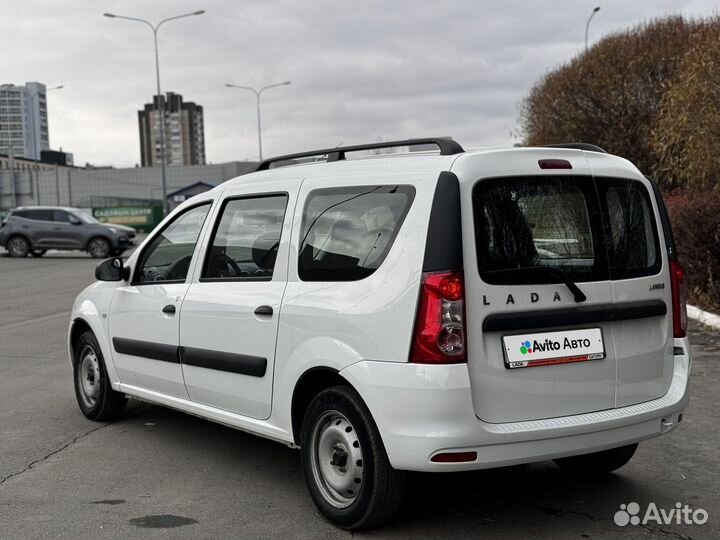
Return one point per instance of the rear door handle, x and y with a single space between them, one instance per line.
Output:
264 310
169 309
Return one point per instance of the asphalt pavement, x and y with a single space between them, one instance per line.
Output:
163 474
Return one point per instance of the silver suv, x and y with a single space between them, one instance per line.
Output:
35 229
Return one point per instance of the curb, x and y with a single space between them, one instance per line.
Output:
704 317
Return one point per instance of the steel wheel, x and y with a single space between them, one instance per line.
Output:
99 248
336 459
17 246
89 377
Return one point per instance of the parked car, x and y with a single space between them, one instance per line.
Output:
416 312
35 229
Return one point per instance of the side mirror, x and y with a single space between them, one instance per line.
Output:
76 222
112 270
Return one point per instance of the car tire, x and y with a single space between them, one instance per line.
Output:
99 248
18 246
93 391
598 462
344 462
38 252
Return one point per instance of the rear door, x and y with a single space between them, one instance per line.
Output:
638 272
538 349
229 318
37 224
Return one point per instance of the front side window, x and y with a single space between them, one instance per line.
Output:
245 243
347 232
168 256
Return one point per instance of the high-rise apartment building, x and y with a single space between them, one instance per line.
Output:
23 120
184 132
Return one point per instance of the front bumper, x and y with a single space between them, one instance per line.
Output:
422 410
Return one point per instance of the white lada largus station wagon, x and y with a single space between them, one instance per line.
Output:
410 312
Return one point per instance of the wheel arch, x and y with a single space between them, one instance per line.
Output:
21 235
310 384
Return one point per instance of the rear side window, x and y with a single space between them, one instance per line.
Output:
534 222
35 215
632 231
246 240
590 229
347 232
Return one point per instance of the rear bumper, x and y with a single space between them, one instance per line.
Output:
422 410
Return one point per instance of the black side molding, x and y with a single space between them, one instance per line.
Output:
443 247
147 349
573 316
244 364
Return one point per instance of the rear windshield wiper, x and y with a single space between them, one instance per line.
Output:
578 295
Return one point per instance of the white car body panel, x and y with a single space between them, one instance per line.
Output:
363 329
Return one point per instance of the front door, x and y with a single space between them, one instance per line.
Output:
229 319
144 315
67 232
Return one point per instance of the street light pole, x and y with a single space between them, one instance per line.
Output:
258 93
161 101
587 25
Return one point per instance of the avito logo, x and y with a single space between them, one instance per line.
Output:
527 347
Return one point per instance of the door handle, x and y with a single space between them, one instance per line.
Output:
169 309
264 310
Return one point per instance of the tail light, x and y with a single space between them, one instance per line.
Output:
439 336
679 299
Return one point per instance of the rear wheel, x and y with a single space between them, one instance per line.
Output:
99 248
95 396
38 252
598 462
345 464
18 246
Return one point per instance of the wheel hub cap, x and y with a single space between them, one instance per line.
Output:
89 377
337 459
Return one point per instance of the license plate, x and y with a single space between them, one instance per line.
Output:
551 348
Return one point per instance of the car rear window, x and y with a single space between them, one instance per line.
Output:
347 232
590 229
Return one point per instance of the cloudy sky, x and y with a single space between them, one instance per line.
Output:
361 71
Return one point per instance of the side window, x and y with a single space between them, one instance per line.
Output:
62 216
632 230
246 239
38 215
168 256
347 232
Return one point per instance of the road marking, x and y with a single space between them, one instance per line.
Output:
20 324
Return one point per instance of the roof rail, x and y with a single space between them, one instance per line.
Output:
577 146
447 147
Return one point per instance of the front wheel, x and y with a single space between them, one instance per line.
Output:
598 462
344 462
95 396
99 248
